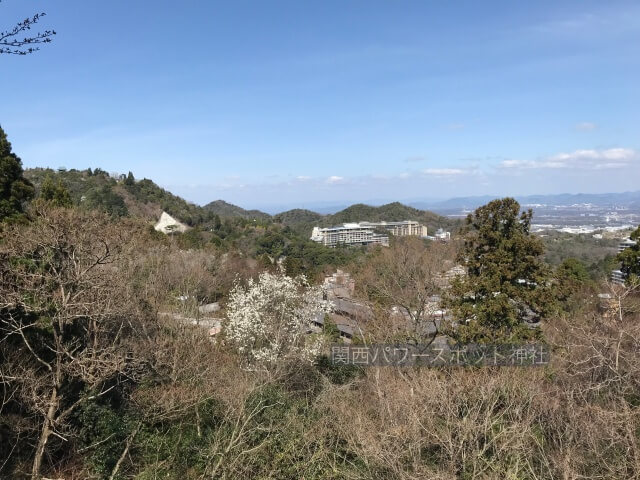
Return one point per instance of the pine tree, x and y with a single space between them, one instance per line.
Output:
507 286
15 190
130 180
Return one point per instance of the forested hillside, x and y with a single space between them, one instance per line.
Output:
298 216
598 255
225 209
218 225
121 195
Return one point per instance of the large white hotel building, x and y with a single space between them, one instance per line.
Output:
364 233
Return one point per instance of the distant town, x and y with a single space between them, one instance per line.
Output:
576 218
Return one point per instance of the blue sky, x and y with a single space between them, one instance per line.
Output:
267 103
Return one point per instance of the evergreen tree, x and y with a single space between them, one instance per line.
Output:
630 258
105 199
506 288
55 194
130 180
15 190
571 278
573 271
216 222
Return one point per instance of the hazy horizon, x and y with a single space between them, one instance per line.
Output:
328 207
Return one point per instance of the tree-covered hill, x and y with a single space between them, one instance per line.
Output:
302 221
146 193
390 212
120 195
225 209
598 255
297 216
299 220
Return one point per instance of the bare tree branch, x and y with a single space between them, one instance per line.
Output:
12 41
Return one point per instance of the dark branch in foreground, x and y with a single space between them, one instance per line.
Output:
11 43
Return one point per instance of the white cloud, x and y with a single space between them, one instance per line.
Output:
303 178
581 159
525 164
517 164
335 179
586 126
444 171
619 154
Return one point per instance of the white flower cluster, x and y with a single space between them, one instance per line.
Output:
267 320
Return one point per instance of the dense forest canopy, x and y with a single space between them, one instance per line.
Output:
225 209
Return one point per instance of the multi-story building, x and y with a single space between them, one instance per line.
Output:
618 276
442 235
399 229
365 233
625 244
348 234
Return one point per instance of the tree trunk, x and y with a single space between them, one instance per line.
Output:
47 425
127 445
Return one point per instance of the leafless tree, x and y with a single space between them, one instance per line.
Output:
64 315
402 281
600 347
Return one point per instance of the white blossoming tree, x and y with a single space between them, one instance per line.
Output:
268 319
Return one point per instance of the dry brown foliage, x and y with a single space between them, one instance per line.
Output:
67 307
578 418
399 282
106 282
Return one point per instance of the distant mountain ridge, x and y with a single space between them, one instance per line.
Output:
390 212
298 215
303 221
124 195
623 199
226 209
